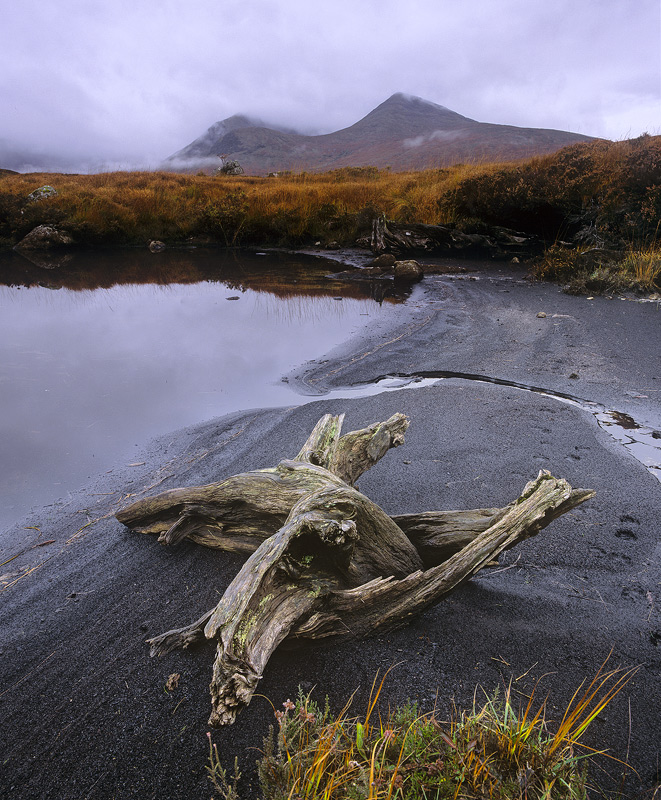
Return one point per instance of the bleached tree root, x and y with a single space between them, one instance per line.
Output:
325 560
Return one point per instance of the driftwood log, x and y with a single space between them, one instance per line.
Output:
325 561
496 242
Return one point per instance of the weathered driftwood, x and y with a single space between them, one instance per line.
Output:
325 560
393 237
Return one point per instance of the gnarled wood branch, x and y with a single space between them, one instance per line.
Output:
326 561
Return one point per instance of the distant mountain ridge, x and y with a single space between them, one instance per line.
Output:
403 133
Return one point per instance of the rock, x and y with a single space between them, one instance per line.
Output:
44 237
229 167
600 256
156 246
408 271
385 260
42 193
541 314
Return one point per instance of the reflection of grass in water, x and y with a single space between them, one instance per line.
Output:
305 309
282 276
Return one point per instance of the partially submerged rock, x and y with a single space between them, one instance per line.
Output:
44 237
407 271
156 246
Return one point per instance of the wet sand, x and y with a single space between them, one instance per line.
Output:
83 709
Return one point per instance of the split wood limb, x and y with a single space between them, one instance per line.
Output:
325 560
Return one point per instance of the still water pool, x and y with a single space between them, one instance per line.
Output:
94 363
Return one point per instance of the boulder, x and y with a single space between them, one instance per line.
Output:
44 237
42 193
408 271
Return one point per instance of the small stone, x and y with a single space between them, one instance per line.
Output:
234 297
574 376
156 246
172 682
515 260
541 314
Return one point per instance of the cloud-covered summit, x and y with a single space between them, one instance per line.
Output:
126 83
404 132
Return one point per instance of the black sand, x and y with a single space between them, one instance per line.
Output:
83 709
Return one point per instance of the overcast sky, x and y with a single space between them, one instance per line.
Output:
131 81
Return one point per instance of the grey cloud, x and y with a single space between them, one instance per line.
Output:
441 136
132 82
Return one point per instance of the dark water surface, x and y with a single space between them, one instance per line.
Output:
108 350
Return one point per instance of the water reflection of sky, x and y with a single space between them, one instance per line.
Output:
87 375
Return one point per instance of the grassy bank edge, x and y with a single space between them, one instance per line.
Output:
596 206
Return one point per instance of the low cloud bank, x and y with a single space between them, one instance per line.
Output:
442 136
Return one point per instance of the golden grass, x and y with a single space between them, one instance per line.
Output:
134 206
643 266
495 750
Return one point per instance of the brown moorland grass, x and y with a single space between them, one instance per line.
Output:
594 192
130 207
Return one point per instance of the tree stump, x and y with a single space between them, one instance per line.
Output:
325 560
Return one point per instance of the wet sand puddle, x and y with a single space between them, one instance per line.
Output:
642 442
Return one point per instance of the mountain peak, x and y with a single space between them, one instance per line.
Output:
404 132
402 98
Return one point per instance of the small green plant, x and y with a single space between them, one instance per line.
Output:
224 786
494 750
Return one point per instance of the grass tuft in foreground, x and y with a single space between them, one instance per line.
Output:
495 750
586 271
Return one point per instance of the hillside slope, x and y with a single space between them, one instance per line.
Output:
404 133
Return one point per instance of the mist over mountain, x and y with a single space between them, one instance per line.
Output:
403 133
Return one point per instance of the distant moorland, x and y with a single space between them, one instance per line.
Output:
596 207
